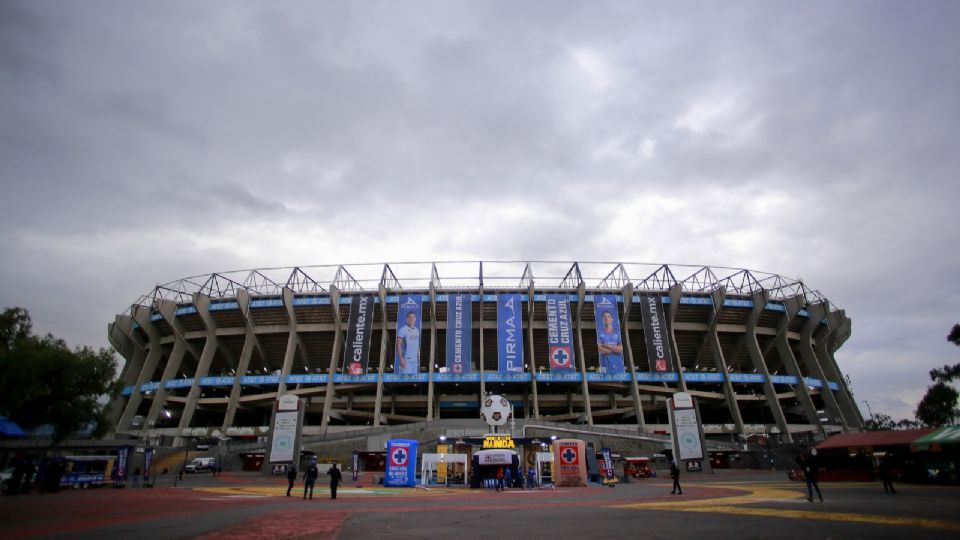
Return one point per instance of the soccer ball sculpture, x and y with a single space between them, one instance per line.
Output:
496 410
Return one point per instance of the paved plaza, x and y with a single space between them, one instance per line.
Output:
725 505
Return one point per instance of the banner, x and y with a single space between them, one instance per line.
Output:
510 333
406 357
655 332
607 463
356 466
570 461
147 462
122 454
401 463
559 336
608 333
359 331
459 333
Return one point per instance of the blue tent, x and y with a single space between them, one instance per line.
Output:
10 429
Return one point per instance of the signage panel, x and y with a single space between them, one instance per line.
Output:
359 330
655 332
401 463
284 436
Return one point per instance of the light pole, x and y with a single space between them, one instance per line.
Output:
867 403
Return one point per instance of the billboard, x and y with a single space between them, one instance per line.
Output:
655 332
283 437
359 331
406 358
401 463
686 428
570 462
609 341
559 336
509 333
459 332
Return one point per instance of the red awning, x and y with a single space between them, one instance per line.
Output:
900 437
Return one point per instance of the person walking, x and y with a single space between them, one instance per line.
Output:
291 477
136 477
335 478
500 475
310 478
809 468
885 477
675 474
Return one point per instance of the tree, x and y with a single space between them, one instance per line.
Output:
939 405
879 422
44 382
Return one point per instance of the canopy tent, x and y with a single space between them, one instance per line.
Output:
10 429
899 437
429 465
933 442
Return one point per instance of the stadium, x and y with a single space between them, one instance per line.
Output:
586 344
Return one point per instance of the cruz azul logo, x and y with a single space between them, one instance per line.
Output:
399 456
569 455
560 357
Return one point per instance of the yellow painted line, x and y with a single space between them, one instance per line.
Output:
831 516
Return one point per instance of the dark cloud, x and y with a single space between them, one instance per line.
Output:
143 142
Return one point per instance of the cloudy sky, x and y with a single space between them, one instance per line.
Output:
142 142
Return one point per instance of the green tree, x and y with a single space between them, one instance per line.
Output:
44 382
879 422
939 405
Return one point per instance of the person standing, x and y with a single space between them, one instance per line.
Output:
675 474
310 478
136 477
500 475
809 468
885 477
291 477
335 478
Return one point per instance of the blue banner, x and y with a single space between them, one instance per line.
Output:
147 462
510 333
404 378
459 333
356 466
646 376
559 336
752 378
406 358
608 333
701 376
401 463
507 377
308 378
354 379
122 454
783 379
559 376
456 377
608 377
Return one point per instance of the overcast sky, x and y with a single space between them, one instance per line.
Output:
141 142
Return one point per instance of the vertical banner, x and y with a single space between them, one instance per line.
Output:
356 466
407 356
655 333
571 462
122 454
559 336
607 464
608 333
147 462
359 331
459 332
401 463
509 333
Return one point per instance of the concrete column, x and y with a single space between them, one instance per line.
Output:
533 360
292 341
581 297
675 293
714 340
809 358
823 336
792 307
840 331
483 383
334 357
202 303
433 350
250 344
756 356
120 334
378 406
160 397
155 351
634 387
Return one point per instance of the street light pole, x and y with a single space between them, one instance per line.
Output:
867 403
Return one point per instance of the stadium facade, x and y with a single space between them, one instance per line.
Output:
387 344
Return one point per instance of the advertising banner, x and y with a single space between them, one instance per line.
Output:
359 331
356 466
401 463
655 331
407 356
607 463
509 333
122 454
459 333
559 336
608 333
147 462
570 461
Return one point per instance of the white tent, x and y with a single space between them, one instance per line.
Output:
429 462
544 460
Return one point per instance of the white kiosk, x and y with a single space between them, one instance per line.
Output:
428 467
